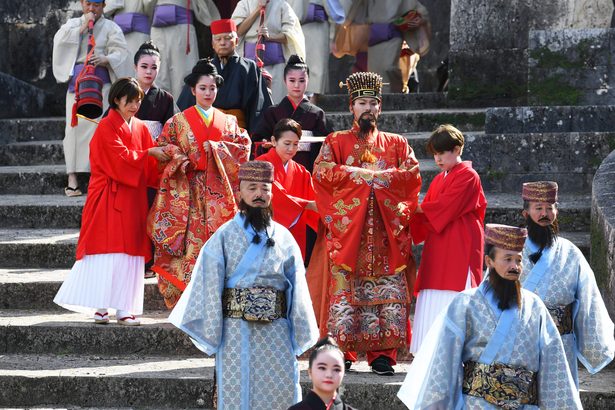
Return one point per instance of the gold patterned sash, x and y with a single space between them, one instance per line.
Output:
501 385
254 304
562 316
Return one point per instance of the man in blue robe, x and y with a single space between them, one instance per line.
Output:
556 270
248 303
495 346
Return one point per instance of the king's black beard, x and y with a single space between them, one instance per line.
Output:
258 218
543 236
506 291
367 124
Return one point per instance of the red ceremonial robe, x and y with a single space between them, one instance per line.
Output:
115 211
198 192
292 190
366 192
452 222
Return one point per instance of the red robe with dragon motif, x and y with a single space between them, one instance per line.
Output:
198 192
366 191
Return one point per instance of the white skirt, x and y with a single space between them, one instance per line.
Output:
112 280
429 304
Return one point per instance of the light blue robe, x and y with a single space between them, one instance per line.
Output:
560 277
463 333
256 364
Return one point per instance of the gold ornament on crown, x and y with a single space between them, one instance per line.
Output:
364 84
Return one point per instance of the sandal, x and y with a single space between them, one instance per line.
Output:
128 321
149 274
101 318
70 192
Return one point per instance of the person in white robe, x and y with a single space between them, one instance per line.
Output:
495 346
248 303
134 18
174 33
281 33
556 270
315 17
70 47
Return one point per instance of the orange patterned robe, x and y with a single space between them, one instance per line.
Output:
198 192
366 191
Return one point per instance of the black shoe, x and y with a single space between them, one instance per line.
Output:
347 364
382 367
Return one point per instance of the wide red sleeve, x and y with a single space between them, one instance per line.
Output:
121 163
464 194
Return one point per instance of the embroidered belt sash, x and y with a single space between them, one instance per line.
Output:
254 304
501 385
562 316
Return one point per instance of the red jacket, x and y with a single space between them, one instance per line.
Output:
451 226
292 190
115 211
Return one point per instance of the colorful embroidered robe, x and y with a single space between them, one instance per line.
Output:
197 192
366 192
452 219
256 363
560 277
464 333
292 190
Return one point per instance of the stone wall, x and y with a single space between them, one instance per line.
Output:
489 43
571 67
603 231
26 42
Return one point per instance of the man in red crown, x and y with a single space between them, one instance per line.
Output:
367 184
240 96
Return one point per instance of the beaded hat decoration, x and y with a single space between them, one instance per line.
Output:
505 237
540 191
364 84
256 171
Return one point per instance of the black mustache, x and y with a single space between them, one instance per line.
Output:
259 200
545 219
514 272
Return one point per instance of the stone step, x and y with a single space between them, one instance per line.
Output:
416 121
591 118
38 248
31 129
35 288
37 179
32 153
63 332
61 212
28 380
390 102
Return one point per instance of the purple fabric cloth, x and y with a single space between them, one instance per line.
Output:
274 54
101 72
315 13
130 22
171 15
381 32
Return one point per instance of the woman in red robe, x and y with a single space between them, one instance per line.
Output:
113 245
293 192
199 187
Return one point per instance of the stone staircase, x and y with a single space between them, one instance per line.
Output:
52 358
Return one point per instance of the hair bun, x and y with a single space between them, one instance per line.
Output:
149 45
327 340
295 59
